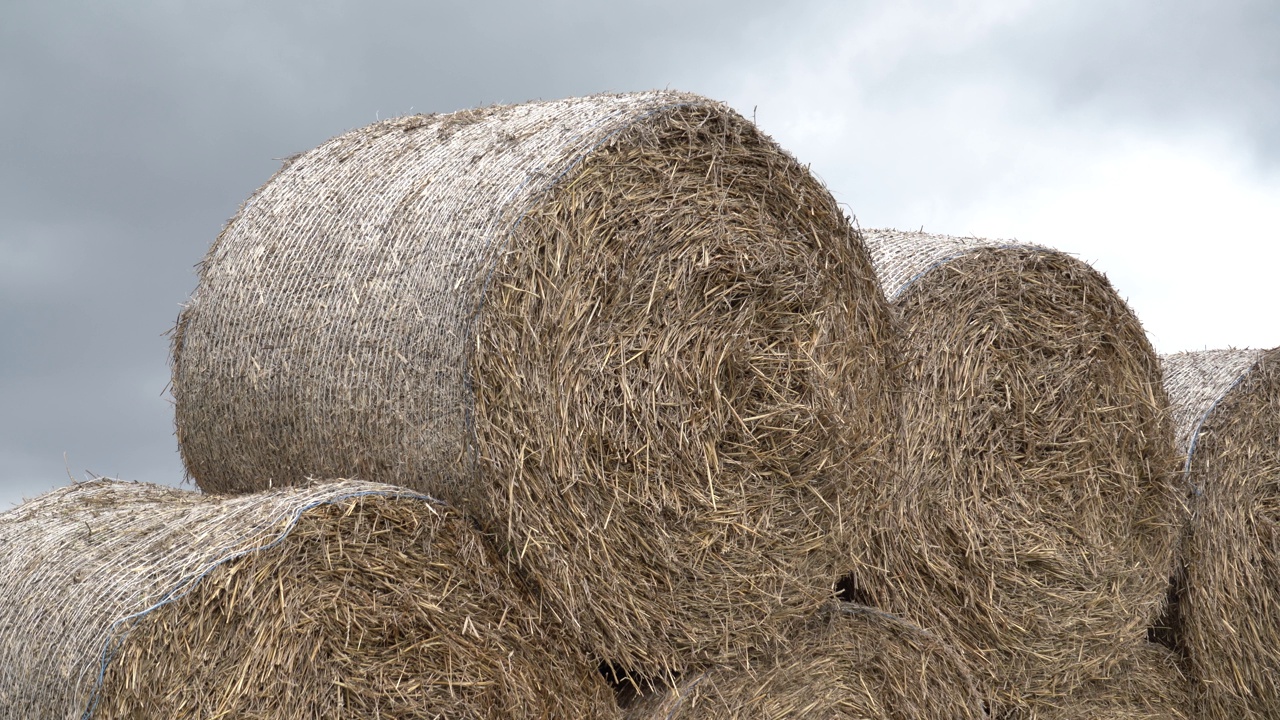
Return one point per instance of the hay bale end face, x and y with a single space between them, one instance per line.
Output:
1035 515
853 662
342 600
1146 682
1227 406
627 333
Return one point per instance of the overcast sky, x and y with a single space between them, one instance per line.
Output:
1143 136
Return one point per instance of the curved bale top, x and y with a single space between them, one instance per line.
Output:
1227 407
1035 517
643 343
854 662
341 600
1146 683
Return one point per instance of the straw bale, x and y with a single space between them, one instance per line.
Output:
1227 407
1146 682
1034 518
627 333
340 600
855 662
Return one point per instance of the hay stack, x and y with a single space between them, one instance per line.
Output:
1034 519
1146 683
638 340
1227 409
856 663
344 600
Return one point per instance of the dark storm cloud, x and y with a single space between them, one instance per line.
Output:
129 132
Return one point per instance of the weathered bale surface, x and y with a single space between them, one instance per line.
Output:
1146 683
627 333
857 663
1034 519
1226 404
341 600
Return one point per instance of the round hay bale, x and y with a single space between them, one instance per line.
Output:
855 663
1145 683
1226 404
627 333
342 600
1034 519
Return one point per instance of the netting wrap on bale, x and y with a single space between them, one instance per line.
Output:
627 333
341 600
1035 515
854 663
1227 407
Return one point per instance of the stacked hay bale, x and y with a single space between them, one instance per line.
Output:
629 334
342 600
1226 407
1034 518
856 663
1146 683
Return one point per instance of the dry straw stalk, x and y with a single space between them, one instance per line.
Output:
853 663
341 600
1227 407
1145 682
628 333
1035 514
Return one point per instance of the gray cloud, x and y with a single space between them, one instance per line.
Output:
1187 62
